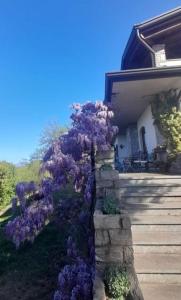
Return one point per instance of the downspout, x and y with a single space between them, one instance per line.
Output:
142 40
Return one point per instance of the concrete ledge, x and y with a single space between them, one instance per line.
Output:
107 174
107 221
105 155
113 254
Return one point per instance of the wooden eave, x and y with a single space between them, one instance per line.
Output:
137 74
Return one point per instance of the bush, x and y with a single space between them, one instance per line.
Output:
116 282
106 167
170 124
28 171
167 117
7 183
110 206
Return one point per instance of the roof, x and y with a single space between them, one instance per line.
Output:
169 19
162 17
137 74
131 91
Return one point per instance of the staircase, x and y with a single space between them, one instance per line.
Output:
153 202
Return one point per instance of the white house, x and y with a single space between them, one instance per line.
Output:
151 64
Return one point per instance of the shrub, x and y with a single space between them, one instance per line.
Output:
167 117
7 183
116 282
170 124
28 171
106 167
110 206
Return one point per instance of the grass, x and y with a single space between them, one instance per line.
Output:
31 272
4 205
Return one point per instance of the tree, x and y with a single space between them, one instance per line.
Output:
28 171
52 132
7 182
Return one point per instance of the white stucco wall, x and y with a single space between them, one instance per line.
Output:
146 120
125 151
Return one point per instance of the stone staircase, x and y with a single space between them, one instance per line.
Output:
153 202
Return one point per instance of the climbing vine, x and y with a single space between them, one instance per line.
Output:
166 109
70 160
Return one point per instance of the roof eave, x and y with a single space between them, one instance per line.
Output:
160 18
144 25
137 74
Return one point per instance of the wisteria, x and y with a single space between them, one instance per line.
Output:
28 225
75 282
23 189
70 159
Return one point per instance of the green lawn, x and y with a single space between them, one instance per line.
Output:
32 271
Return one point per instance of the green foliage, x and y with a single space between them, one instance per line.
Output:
167 116
52 132
106 167
28 171
171 128
7 183
116 282
110 206
33 269
10 175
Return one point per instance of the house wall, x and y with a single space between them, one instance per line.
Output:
132 139
146 120
125 151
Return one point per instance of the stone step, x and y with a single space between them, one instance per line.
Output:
165 182
156 228
160 263
146 176
169 249
149 199
148 191
159 278
137 219
161 291
152 237
150 205
153 212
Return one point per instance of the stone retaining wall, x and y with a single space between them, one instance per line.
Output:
113 238
176 166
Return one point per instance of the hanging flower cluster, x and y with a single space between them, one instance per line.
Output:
75 282
24 189
32 218
91 131
30 223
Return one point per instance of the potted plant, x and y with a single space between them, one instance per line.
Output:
116 282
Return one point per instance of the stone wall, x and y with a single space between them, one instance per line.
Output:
113 238
105 158
176 166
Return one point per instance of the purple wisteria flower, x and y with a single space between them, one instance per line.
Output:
69 159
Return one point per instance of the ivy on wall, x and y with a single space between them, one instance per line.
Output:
166 109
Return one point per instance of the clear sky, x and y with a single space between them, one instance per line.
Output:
54 53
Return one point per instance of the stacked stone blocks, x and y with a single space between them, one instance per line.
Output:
113 238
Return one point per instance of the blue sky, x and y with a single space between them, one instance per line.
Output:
54 53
